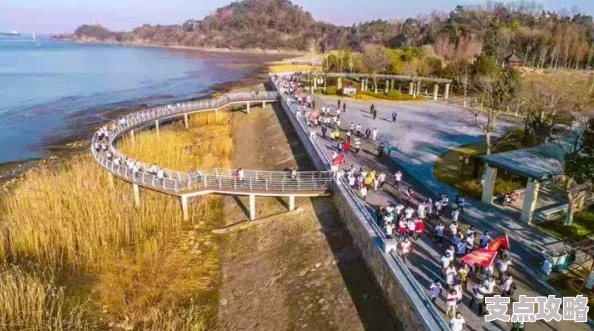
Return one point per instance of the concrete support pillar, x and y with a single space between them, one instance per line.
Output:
446 92
315 82
132 135
392 84
136 194
489 184
252 207
530 201
411 88
263 104
248 107
435 91
157 126
184 205
291 202
362 84
386 86
418 88
186 122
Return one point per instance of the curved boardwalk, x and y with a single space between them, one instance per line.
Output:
188 184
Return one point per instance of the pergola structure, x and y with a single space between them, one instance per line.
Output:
414 82
537 163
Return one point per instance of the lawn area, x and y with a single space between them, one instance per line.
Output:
582 227
462 175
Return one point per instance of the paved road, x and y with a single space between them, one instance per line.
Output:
422 132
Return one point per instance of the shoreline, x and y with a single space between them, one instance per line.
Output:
60 150
251 51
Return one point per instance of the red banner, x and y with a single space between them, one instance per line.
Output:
483 257
502 241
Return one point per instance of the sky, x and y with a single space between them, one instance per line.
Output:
43 16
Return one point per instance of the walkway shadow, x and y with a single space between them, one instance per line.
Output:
303 163
242 206
364 291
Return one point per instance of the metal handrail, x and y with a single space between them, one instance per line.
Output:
218 179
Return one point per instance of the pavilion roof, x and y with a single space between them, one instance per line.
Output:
539 162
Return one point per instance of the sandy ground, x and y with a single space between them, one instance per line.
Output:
298 270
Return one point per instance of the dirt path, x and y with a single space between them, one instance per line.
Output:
298 272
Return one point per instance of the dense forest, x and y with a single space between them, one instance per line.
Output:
540 38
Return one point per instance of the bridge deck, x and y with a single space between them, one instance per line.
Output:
221 181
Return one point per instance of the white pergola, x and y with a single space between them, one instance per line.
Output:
537 163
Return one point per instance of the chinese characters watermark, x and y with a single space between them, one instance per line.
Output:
531 309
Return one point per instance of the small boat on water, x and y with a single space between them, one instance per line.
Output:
11 34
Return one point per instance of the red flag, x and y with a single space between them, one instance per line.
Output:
483 257
502 241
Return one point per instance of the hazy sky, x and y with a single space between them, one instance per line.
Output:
43 16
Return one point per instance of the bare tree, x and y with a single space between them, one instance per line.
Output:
375 59
550 100
578 166
497 92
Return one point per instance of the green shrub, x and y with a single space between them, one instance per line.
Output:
503 186
471 188
331 90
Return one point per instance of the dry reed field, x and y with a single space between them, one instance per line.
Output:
77 254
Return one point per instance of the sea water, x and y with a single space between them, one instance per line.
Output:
52 90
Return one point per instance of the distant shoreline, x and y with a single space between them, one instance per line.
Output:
195 48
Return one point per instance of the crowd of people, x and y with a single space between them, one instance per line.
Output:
403 221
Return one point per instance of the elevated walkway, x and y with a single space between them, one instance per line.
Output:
252 183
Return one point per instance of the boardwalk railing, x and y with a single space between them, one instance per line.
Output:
218 179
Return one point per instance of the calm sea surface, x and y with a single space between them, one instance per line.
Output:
50 90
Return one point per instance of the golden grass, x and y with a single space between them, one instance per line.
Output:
150 270
29 301
208 144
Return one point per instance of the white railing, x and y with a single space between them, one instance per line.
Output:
215 179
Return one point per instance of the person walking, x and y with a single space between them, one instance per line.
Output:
463 276
371 109
363 192
374 114
397 179
435 289
382 180
346 146
389 149
451 302
338 104
357 145
439 229
405 248
479 291
367 133
344 107
324 129
380 150
374 134
419 228
394 115
507 285
457 323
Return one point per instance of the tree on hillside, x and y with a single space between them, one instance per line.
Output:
550 100
578 168
376 60
497 91
460 53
